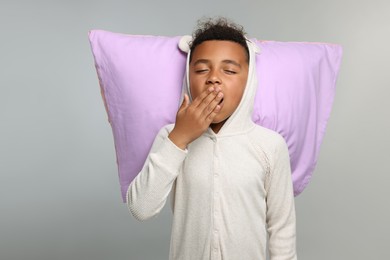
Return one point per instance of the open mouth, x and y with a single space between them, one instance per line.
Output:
220 102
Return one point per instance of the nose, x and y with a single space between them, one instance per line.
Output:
213 79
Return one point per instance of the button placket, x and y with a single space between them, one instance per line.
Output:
216 197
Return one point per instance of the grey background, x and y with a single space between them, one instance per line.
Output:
59 190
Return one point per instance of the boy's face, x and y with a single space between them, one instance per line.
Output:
219 63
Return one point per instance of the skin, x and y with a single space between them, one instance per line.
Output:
218 69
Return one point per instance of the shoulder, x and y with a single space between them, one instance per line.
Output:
267 138
268 143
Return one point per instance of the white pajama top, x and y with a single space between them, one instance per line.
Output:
228 191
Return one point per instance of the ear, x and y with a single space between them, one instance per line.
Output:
184 43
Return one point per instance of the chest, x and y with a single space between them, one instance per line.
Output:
230 163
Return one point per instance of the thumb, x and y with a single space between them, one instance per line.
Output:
185 101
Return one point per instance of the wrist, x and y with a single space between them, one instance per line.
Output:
177 140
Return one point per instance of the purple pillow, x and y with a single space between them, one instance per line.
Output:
141 78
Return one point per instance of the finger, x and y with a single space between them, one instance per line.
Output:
207 100
212 105
186 100
184 103
202 95
211 116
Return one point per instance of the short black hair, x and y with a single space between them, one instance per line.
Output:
220 28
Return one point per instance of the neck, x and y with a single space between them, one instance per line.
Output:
217 126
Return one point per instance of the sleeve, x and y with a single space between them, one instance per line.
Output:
149 190
281 219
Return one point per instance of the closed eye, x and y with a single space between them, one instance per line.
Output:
230 72
200 71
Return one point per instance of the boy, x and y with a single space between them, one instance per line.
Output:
229 179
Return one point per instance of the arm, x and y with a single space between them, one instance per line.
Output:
281 222
148 192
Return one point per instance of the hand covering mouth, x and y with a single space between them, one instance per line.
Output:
220 101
